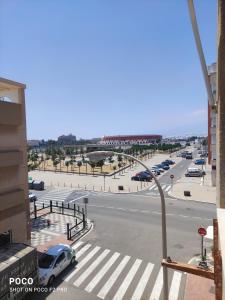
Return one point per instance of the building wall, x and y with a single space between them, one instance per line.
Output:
14 203
212 121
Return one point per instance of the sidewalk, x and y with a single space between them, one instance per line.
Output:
101 183
201 190
199 288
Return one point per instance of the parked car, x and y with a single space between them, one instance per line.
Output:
194 172
204 155
179 154
54 261
144 173
164 166
160 167
32 197
200 161
158 170
141 177
189 156
170 162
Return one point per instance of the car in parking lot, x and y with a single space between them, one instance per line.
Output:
169 161
200 161
52 262
32 197
158 170
189 156
144 174
164 166
194 172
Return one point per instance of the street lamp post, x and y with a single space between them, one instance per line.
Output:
97 155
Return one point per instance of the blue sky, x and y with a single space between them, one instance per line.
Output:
104 67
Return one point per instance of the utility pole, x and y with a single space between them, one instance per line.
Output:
221 106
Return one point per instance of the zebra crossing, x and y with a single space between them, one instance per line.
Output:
112 275
153 190
56 195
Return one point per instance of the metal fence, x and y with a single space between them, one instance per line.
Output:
60 208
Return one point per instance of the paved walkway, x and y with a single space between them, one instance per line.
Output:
99 183
201 190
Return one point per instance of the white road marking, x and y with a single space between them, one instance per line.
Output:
156 291
105 289
82 263
91 268
152 187
183 216
102 272
127 281
73 200
164 186
49 232
142 282
156 212
77 245
82 250
174 289
168 188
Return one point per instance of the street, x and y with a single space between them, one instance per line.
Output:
125 243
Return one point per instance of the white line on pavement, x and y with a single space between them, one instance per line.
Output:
102 272
152 187
73 200
142 282
77 245
156 291
91 268
49 232
164 186
105 289
83 250
168 188
82 263
127 281
174 289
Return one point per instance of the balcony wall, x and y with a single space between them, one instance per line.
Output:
10 113
10 158
10 202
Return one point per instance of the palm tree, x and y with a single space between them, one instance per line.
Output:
101 164
55 163
93 165
119 166
79 164
67 163
114 168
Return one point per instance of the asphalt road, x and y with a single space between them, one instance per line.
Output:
130 226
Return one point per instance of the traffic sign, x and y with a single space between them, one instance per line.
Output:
202 231
171 176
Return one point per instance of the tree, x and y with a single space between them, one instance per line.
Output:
101 164
79 164
67 163
55 163
120 165
114 168
93 165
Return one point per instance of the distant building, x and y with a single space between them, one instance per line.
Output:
121 140
67 139
33 143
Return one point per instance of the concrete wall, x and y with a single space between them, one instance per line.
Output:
14 203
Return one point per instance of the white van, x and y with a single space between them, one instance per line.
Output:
194 172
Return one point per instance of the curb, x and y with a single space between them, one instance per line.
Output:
186 199
84 234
